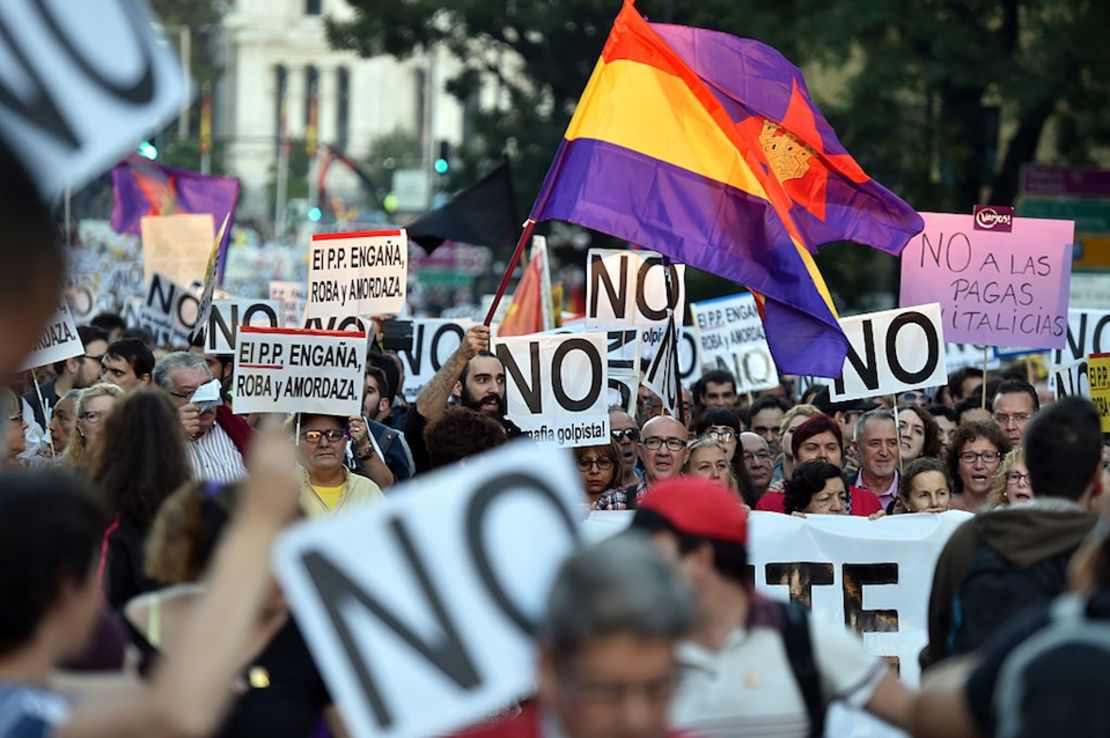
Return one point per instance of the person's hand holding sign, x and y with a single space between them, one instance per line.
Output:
475 341
360 440
190 420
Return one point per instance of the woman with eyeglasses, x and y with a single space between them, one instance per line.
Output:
721 425
62 420
1011 484
17 426
973 460
327 486
93 408
600 467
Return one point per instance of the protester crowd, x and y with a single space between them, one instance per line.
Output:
129 503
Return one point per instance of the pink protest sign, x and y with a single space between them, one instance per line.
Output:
999 289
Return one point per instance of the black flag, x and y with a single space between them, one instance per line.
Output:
484 214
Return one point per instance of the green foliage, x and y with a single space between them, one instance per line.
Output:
399 149
940 100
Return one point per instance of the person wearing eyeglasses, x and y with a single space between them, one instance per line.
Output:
327 486
973 461
77 372
1011 483
93 407
600 468
626 434
721 425
662 450
758 462
1014 404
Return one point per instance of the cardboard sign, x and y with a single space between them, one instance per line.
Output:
177 246
363 273
730 335
286 370
292 296
1002 289
1088 333
85 83
872 575
226 317
890 352
462 562
1098 376
58 341
169 312
628 289
556 387
433 342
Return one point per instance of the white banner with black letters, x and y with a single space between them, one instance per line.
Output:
556 387
891 351
226 316
730 335
363 273
437 634
433 342
623 361
58 341
169 312
628 289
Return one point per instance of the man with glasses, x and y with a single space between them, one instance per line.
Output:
215 438
77 372
327 486
758 461
766 415
1014 404
663 451
626 434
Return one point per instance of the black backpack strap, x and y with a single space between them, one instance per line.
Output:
799 651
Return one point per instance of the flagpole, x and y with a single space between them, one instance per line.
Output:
529 225
673 329
280 190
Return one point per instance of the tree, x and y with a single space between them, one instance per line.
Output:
940 100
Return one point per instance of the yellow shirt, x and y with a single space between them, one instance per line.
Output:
318 501
329 495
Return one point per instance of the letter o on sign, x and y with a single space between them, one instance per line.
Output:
931 337
565 401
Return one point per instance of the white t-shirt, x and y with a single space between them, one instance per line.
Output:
748 688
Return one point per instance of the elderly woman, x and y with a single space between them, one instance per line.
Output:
919 434
600 468
973 461
708 459
816 488
1011 484
924 487
327 486
93 408
62 420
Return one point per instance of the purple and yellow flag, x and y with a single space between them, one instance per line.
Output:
664 151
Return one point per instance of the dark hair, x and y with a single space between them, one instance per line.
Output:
815 426
958 377
765 402
135 353
1015 387
108 322
466 367
140 333
140 458
716 376
461 432
932 430
385 364
919 466
966 434
609 450
186 530
50 527
87 334
729 559
809 479
1063 448
938 410
712 416
384 387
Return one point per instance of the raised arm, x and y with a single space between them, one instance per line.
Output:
432 400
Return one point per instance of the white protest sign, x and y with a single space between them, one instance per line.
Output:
890 352
689 357
292 296
84 82
555 387
169 312
462 562
628 289
177 246
1070 379
873 575
433 342
623 359
1088 333
226 316
361 273
58 341
959 355
730 335
286 370
661 374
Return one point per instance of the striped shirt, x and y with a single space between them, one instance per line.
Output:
214 457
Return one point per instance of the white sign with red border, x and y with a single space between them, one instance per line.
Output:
360 273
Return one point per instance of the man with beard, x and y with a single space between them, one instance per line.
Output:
472 374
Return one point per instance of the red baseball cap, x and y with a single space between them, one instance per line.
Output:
698 507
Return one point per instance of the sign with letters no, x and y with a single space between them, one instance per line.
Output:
226 316
437 634
628 289
433 342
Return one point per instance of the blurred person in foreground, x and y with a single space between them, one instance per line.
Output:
50 533
461 433
606 664
801 663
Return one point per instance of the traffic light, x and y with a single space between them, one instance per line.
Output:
148 149
443 163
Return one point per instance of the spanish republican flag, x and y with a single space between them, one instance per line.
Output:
531 308
707 148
